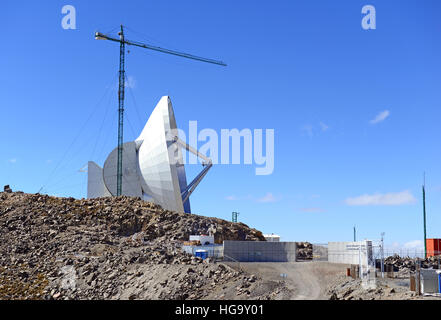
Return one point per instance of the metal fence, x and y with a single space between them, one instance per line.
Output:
213 251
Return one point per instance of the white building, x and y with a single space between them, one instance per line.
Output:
272 237
152 165
350 252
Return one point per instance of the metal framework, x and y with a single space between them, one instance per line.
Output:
207 166
234 216
121 89
123 41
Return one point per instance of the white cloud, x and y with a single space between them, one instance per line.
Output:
12 160
395 244
311 130
324 126
312 210
130 82
415 244
267 198
308 130
386 199
380 117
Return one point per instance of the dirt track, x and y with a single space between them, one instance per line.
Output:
305 280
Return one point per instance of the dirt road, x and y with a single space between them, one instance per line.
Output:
307 280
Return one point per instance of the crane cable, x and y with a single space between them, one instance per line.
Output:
94 109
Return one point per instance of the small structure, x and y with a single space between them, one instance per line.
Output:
203 254
430 281
203 239
272 237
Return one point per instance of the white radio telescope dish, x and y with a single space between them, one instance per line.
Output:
153 167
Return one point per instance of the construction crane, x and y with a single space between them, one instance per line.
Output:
121 88
234 216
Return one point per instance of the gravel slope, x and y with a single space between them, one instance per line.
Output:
109 248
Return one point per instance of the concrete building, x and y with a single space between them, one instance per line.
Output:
350 252
152 165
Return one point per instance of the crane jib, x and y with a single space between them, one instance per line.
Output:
101 36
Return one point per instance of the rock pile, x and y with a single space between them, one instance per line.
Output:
304 251
347 288
107 248
400 263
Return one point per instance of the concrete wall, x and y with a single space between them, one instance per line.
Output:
320 252
260 251
350 252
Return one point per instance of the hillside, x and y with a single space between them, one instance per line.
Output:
113 248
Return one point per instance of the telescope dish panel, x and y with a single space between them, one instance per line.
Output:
131 184
95 183
160 159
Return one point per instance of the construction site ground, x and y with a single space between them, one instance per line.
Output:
306 280
321 280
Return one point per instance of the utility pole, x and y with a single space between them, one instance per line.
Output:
424 215
355 235
121 90
382 254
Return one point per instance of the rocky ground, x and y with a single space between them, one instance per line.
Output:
346 288
304 251
406 263
396 288
114 248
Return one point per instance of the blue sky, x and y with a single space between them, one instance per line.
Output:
306 69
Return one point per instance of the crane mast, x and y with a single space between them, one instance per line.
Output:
121 87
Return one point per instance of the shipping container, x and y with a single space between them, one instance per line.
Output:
433 247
